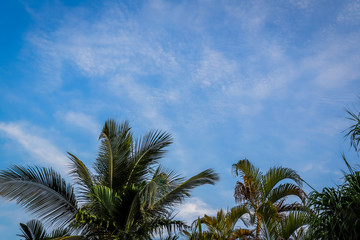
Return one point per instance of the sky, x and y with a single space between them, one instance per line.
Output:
264 80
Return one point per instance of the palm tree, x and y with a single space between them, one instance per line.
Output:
264 194
34 230
129 196
224 225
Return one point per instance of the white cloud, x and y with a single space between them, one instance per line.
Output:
81 120
334 61
39 148
322 167
215 70
194 208
350 13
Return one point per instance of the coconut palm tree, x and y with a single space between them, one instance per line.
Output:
265 194
128 196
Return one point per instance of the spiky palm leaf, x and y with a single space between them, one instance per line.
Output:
82 178
354 130
42 191
33 230
178 191
293 222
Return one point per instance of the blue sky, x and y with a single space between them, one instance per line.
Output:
265 80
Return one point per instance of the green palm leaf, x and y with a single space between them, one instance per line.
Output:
82 177
114 153
182 190
33 230
284 190
147 151
277 174
41 190
292 222
354 130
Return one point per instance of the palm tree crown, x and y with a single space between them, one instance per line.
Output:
129 196
265 194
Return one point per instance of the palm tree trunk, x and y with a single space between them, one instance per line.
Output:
258 226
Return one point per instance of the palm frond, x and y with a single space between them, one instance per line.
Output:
69 238
178 193
147 151
82 177
241 233
284 190
237 213
33 230
292 222
354 130
114 154
106 201
59 233
276 174
40 190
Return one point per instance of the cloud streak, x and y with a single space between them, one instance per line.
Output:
41 149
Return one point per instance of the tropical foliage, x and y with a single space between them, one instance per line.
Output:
129 196
354 130
265 196
34 230
337 209
223 226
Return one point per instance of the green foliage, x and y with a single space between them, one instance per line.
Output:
224 224
354 130
337 209
41 190
129 196
265 194
34 230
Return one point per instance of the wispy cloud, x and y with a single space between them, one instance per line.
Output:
81 120
194 208
40 148
259 68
